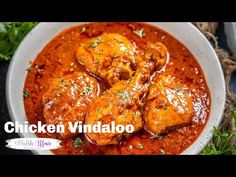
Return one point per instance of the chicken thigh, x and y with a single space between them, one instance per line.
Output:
109 56
67 100
168 105
112 57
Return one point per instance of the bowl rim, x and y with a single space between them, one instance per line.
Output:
209 134
194 148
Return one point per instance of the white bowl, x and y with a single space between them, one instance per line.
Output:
190 36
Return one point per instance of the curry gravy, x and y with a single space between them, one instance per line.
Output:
58 59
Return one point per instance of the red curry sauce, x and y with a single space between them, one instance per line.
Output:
58 59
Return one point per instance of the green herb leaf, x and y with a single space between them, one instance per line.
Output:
95 42
11 34
87 89
139 33
165 106
26 94
140 146
122 94
77 142
135 117
220 144
99 111
94 72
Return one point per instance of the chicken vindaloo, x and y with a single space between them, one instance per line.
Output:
129 73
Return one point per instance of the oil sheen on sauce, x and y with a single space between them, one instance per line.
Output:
58 59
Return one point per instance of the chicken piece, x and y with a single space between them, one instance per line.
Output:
158 52
168 105
67 100
113 57
109 56
112 106
121 104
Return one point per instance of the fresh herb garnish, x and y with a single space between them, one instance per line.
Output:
165 106
94 72
99 111
77 142
95 42
11 34
220 144
26 94
87 89
122 94
139 33
140 146
135 117
223 141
